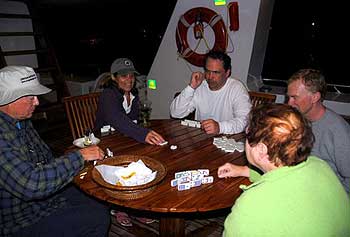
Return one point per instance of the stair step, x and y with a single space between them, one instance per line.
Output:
24 52
20 34
45 60
8 15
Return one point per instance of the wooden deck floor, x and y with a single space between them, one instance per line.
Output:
58 137
194 227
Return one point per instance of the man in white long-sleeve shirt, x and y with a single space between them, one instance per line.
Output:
220 102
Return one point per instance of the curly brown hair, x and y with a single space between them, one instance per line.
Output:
284 130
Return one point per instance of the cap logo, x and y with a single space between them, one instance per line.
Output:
127 63
28 78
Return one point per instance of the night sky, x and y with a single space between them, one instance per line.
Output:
306 34
89 35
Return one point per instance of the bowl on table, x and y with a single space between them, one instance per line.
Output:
130 192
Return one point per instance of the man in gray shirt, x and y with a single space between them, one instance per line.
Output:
306 91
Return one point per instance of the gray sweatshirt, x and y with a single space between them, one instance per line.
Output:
332 144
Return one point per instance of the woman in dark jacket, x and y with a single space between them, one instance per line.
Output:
119 107
119 104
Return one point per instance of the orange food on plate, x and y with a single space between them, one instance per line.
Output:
129 176
119 184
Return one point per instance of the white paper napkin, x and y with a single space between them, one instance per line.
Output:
136 173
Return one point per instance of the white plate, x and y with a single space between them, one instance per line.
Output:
80 142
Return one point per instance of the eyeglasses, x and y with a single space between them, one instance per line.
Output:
208 72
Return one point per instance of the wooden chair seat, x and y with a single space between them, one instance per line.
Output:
261 98
81 112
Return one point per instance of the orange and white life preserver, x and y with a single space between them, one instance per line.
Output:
211 18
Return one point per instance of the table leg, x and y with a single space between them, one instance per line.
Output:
171 227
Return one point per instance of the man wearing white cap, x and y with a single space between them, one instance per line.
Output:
35 196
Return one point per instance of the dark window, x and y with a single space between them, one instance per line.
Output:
306 34
89 35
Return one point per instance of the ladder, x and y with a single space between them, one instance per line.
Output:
23 42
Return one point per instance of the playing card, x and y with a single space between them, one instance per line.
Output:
191 123
207 180
196 183
173 183
163 143
205 172
185 180
180 174
184 186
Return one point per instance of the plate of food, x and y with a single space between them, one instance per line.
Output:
85 142
130 192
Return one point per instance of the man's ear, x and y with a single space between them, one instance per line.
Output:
316 97
228 73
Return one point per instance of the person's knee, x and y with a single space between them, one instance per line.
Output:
94 215
103 214
96 220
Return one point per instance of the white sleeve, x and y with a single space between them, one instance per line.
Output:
241 107
183 104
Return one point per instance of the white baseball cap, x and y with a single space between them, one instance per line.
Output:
19 81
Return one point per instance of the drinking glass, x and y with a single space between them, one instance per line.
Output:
145 112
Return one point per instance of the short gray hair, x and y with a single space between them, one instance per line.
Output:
313 80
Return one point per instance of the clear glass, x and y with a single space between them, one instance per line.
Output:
145 113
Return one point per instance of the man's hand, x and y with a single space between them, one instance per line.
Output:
231 170
210 126
92 153
154 138
196 79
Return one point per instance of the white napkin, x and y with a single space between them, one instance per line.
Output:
136 173
91 138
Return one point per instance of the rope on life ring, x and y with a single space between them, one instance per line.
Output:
213 20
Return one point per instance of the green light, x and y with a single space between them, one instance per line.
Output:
219 2
152 84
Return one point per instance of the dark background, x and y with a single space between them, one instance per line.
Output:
89 35
307 34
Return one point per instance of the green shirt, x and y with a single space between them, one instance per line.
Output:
302 200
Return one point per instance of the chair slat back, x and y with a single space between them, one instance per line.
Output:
261 98
81 112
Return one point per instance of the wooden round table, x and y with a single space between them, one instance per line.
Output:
195 150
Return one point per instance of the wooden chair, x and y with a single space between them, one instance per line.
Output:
81 112
261 98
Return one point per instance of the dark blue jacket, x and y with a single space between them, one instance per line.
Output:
110 111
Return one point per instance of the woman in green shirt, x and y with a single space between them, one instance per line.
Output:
298 194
